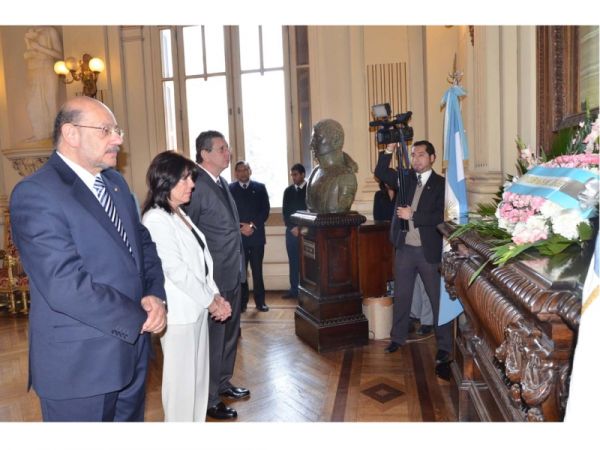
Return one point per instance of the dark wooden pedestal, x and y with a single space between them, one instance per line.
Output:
329 313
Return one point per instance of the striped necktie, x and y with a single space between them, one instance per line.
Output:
110 209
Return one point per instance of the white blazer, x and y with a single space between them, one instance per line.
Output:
189 290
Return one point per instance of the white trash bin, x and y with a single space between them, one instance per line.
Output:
378 311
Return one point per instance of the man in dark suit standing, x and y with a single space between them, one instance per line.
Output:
213 211
253 207
97 286
418 250
294 199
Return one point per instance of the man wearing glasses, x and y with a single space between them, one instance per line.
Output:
97 286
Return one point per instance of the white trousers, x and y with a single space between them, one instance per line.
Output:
186 371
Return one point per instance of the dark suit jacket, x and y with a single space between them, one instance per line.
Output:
86 315
293 200
213 211
429 214
252 206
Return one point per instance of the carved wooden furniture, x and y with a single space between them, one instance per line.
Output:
329 313
514 348
375 258
7 285
13 279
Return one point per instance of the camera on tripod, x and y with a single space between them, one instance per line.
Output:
390 130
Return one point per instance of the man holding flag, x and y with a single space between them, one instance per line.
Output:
418 248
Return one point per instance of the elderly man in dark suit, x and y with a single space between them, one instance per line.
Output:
419 249
213 210
252 201
97 286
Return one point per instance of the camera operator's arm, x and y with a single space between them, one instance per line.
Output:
382 170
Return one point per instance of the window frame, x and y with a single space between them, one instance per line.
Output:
234 98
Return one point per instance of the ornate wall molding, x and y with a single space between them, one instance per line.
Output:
26 160
558 80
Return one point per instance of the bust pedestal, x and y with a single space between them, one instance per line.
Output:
329 313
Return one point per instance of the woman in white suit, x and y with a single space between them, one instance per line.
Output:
191 291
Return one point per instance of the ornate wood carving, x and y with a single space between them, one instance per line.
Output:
557 80
520 333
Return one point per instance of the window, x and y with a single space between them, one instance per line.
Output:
237 80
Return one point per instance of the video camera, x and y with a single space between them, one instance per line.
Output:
391 130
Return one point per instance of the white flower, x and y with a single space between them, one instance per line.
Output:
550 209
592 139
505 224
566 221
533 230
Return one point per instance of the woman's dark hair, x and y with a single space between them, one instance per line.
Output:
165 171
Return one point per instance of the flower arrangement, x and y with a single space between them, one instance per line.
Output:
549 205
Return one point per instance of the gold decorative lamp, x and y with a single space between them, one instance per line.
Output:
86 71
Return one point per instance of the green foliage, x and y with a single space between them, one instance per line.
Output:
487 209
503 253
560 142
487 228
585 230
554 245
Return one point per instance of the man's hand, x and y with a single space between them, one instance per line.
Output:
404 212
295 231
219 309
246 229
157 315
390 148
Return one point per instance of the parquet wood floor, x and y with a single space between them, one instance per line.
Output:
289 381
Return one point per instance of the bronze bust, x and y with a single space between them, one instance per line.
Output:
332 183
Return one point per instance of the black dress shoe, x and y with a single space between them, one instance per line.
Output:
221 412
289 295
235 392
443 371
392 347
424 330
263 308
442 356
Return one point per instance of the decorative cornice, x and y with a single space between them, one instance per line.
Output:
27 159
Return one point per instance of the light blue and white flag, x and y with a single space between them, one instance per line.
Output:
455 151
582 404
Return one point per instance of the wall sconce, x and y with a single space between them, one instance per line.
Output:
86 71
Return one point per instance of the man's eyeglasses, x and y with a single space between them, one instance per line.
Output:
106 131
